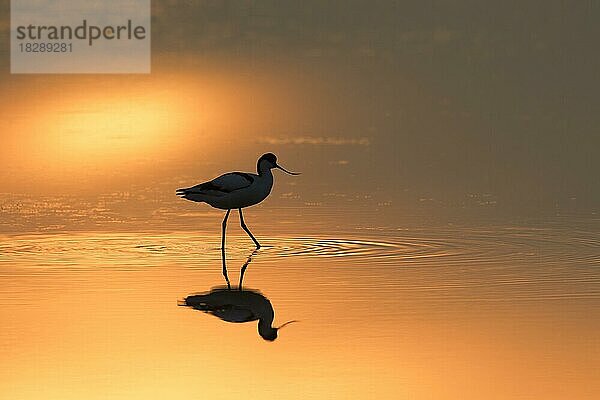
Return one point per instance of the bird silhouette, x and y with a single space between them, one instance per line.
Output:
236 190
237 305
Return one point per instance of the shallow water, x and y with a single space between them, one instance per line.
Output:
493 311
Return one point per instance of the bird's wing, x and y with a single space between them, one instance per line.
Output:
224 304
227 312
220 186
232 181
234 313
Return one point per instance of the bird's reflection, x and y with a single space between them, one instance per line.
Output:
237 305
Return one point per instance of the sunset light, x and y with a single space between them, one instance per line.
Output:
111 129
299 200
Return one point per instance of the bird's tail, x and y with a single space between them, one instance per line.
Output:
189 194
197 302
181 192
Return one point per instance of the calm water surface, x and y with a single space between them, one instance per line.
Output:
494 311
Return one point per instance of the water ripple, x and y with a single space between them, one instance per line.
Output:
448 247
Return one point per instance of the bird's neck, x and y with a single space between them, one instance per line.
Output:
265 314
265 324
265 172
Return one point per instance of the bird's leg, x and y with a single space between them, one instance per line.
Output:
244 227
224 225
243 270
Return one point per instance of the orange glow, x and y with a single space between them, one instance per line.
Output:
111 129
115 125
110 327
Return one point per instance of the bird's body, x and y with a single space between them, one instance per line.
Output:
237 306
236 190
233 305
232 190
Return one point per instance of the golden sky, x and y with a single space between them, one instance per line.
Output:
441 102
390 109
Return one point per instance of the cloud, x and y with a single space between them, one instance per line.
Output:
311 140
339 162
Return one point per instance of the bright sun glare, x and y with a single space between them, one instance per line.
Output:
109 130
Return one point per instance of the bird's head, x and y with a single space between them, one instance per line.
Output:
270 333
269 161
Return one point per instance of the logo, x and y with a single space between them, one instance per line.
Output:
80 36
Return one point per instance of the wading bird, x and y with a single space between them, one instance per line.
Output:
237 305
236 190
